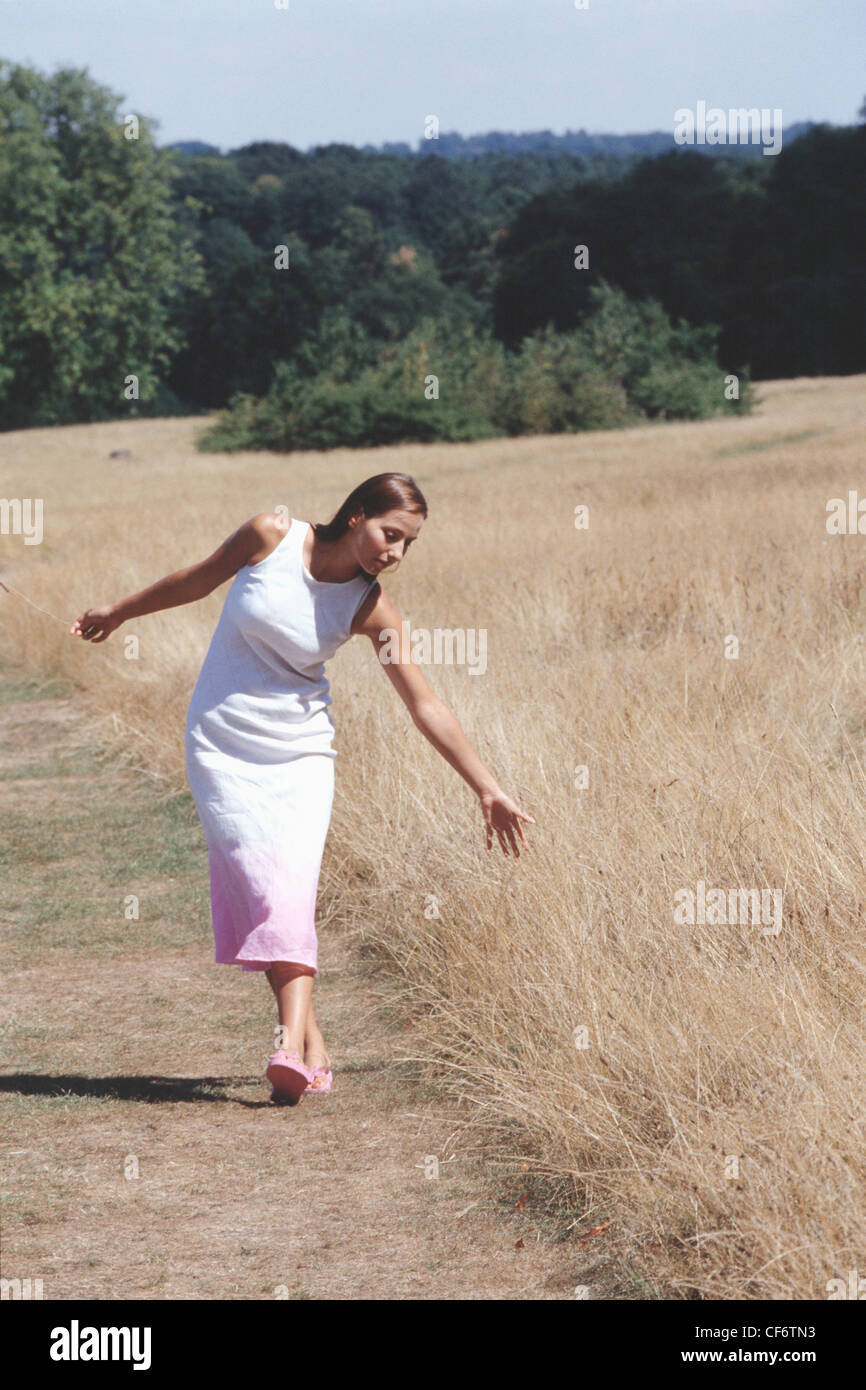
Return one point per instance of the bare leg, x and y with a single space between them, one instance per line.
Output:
315 1054
292 985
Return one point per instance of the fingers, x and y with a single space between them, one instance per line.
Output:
90 627
504 843
506 833
515 825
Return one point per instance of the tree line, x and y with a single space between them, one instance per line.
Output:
540 290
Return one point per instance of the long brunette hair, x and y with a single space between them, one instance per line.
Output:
383 493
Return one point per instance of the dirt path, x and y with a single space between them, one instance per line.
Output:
142 1159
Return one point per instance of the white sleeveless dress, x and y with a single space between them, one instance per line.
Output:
259 759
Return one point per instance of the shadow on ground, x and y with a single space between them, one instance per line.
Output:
145 1088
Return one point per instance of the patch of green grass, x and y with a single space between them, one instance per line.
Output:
15 1030
18 687
762 444
115 836
630 1284
80 762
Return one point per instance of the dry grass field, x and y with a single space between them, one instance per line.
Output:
683 1097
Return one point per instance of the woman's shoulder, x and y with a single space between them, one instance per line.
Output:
271 524
269 528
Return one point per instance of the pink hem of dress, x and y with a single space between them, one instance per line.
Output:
266 964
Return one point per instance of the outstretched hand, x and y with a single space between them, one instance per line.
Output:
95 624
504 816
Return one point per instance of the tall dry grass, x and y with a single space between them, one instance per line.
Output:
712 1108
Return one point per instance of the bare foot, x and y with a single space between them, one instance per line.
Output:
315 1054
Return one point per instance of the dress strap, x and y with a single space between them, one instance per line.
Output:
297 536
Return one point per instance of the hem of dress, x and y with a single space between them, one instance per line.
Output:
302 958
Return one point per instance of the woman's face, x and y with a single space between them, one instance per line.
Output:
384 540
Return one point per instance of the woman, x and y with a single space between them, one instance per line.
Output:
258 733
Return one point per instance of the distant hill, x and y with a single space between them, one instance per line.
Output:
451 145
194 147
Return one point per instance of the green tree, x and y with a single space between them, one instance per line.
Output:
628 363
93 271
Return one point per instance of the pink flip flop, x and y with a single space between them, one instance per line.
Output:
288 1077
320 1074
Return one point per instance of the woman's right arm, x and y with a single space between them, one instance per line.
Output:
184 586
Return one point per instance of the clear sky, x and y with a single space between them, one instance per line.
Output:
368 71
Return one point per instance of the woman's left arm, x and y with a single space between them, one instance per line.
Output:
437 723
